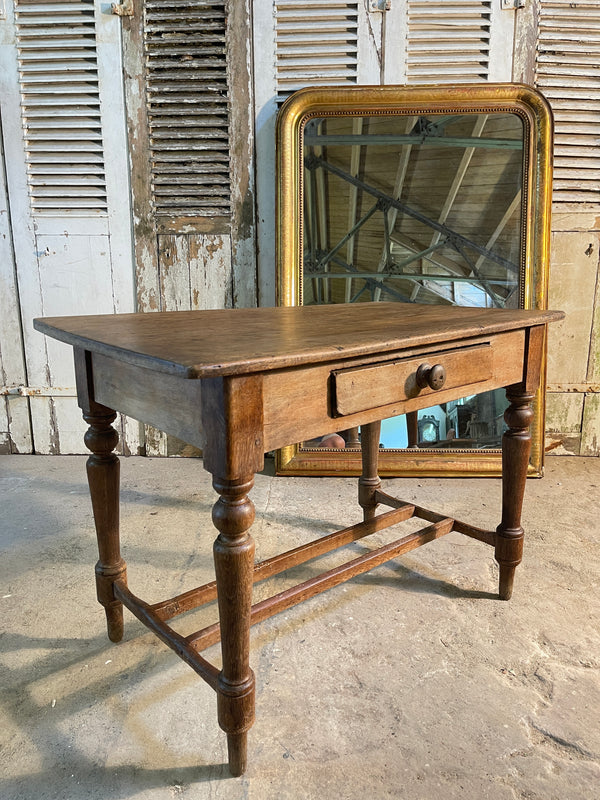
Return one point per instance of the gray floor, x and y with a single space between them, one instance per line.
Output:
411 682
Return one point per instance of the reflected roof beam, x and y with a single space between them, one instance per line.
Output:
379 139
453 236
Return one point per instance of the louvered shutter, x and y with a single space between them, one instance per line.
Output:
567 71
316 43
187 102
62 117
448 41
60 107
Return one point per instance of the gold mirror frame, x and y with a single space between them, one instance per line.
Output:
536 116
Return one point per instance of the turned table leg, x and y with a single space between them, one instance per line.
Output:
412 429
369 481
103 479
233 514
516 444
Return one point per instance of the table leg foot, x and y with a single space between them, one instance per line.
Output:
103 479
233 515
369 482
516 445
114 621
237 746
507 577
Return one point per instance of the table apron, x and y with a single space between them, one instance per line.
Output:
170 403
298 402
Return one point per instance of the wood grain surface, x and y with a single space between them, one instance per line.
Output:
197 344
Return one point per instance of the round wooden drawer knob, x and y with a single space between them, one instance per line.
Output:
434 377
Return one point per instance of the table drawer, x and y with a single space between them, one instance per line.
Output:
373 385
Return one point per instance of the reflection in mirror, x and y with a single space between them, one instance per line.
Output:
427 195
416 209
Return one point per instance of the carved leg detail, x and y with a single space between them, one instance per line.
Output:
369 481
352 440
516 444
233 514
103 479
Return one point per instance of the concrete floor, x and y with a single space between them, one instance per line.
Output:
410 682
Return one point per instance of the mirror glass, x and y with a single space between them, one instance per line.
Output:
416 209
429 196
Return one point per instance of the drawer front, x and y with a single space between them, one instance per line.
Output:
373 385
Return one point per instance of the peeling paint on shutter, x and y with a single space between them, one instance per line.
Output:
60 106
187 97
568 73
316 43
448 41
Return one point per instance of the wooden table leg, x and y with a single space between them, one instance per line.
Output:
369 481
233 514
352 438
412 428
103 479
516 444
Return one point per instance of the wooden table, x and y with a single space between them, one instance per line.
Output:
238 383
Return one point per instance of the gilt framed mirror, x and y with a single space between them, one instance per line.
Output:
416 195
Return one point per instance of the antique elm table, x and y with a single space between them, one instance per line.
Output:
238 383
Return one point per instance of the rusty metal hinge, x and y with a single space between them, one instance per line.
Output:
124 9
37 391
379 5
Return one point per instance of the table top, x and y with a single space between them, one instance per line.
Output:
198 344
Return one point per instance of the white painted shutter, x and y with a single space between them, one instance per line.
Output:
61 102
60 106
567 72
316 43
448 40
458 41
15 425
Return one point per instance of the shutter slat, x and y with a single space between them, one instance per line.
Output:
568 72
60 102
187 101
316 43
448 41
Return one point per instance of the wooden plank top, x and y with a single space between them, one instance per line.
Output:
198 344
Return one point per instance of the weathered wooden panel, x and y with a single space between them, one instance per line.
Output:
75 278
15 428
174 271
211 272
563 422
195 272
590 433
593 374
18 424
573 275
576 217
